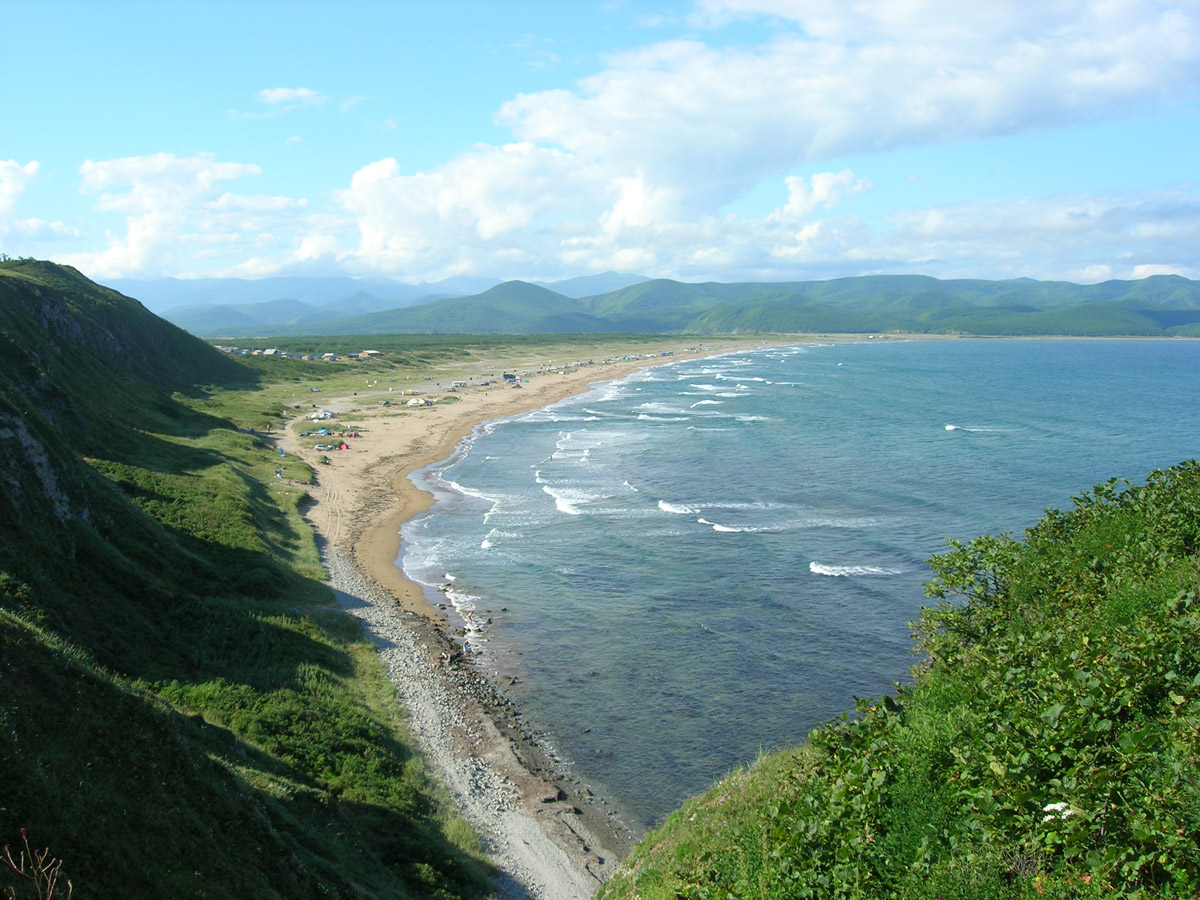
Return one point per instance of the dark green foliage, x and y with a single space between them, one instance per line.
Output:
1048 746
184 711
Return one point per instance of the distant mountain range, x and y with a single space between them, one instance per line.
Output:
1155 306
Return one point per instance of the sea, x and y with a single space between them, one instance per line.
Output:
677 571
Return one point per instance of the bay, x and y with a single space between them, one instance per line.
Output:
706 560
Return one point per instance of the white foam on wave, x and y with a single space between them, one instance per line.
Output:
729 529
492 538
646 417
840 571
653 407
609 392
705 403
676 508
561 503
549 415
835 522
981 429
705 387
570 500
468 492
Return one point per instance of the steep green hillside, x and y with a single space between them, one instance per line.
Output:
185 713
1049 745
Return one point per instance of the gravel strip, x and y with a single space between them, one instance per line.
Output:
533 830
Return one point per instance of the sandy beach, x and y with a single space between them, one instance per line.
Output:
550 837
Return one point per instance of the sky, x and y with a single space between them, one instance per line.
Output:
723 140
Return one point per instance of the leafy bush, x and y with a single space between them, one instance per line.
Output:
1049 745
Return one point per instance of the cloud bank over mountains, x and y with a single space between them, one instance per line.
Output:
647 164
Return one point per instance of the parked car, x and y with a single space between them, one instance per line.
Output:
323 447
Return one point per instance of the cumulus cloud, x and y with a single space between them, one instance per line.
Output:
485 206
1077 237
824 192
636 166
15 179
632 166
174 210
860 77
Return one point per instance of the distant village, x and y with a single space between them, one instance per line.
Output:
364 355
330 357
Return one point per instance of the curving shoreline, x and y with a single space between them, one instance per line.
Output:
548 835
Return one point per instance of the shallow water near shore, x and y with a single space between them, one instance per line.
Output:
712 557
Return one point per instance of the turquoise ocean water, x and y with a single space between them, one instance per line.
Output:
712 557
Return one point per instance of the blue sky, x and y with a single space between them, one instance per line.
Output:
693 139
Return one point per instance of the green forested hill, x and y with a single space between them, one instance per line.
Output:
184 711
1049 745
1161 305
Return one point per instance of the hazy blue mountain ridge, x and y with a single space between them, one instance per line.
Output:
1158 305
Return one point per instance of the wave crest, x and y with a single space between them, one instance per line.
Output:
838 571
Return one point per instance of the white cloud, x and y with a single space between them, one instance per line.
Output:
631 167
1071 236
174 210
14 180
825 191
463 215
300 96
851 78
1160 269
282 101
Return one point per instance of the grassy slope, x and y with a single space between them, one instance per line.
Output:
1048 747
185 712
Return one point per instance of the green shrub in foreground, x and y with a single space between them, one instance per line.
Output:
1049 745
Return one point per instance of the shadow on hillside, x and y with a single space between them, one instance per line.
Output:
140 799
